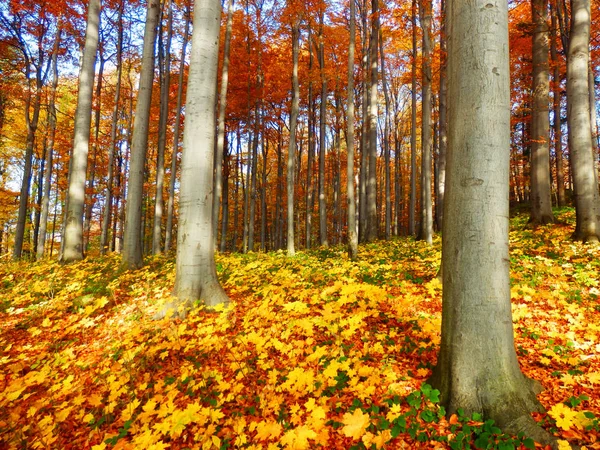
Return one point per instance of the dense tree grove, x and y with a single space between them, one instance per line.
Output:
399 179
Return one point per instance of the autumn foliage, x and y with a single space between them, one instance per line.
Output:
316 351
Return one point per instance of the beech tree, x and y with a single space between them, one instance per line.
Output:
477 368
587 198
73 245
132 240
352 234
196 275
541 200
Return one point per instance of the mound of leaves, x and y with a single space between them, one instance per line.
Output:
315 351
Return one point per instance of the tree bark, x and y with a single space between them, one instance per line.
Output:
587 198
477 367
176 134
221 123
196 276
372 219
108 196
322 135
541 195
443 120
165 84
413 128
132 240
49 150
292 144
426 228
73 246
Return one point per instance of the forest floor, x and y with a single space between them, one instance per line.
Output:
315 351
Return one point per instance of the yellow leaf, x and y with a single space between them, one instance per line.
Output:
14 395
268 430
563 415
47 322
355 424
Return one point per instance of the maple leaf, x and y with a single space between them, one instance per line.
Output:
355 424
563 415
297 438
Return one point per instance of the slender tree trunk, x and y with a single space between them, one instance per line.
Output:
292 144
91 182
226 175
322 135
73 246
279 194
132 242
441 178
196 275
108 196
221 121
311 148
587 198
350 189
426 228
541 196
49 150
372 219
165 85
176 134
253 175
413 128
364 141
263 195
477 368
386 143
236 210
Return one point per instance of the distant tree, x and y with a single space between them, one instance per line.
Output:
477 368
73 245
196 276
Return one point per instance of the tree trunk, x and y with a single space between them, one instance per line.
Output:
322 136
372 219
108 196
541 196
165 84
292 145
477 367
364 138
426 228
41 243
311 148
221 123
441 178
132 241
253 167
386 144
73 247
176 134
196 275
226 175
587 198
413 128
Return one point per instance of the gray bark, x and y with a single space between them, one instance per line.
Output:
108 196
292 144
372 219
412 204
73 246
541 192
477 367
426 229
132 240
165 83
322 136
176 134
49 151
196 276
221 124
441 178
587 198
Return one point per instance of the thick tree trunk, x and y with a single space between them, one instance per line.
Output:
221 124
196 276
41 243
132 241
426 228
413 128
176 134
165 84
372 219
587 198
73 246
477 367
541 195
108 196
292 144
